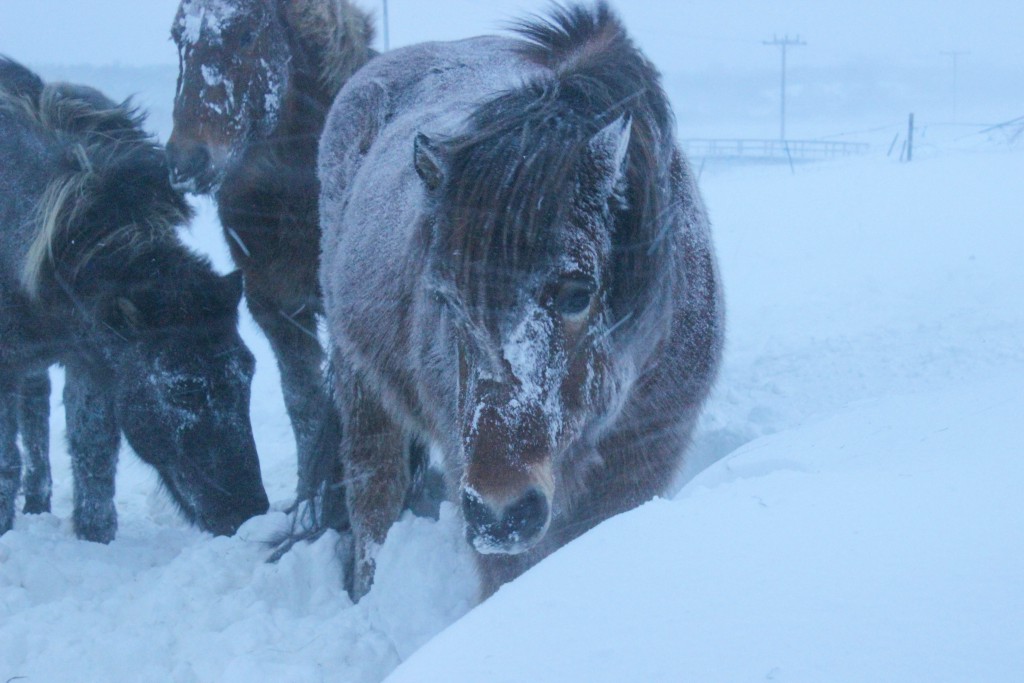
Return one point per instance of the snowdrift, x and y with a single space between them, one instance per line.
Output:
881 544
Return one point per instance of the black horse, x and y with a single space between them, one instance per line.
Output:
94 276
518 270
257 78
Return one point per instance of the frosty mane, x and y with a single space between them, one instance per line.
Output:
341 33
113 194
513 171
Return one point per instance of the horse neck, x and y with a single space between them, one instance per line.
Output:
70 319
316 78
303 115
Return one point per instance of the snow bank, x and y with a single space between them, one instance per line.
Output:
883 543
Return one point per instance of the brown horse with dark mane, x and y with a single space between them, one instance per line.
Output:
518 271
257 79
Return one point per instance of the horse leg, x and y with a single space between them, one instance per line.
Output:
93 438
427 488
10 457
34 422
300 360
373 455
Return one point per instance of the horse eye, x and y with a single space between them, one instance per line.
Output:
245 39
573 296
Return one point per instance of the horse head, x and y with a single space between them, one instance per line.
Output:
248 66
521 237
234 60
182 379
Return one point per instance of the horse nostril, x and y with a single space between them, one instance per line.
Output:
187 162
511 530
527 517
477 513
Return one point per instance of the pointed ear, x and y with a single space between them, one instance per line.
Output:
120 314
429 160
607 151
129 313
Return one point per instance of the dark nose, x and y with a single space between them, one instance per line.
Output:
187 162
225 520
511 529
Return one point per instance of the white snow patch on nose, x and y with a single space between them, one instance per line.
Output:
527 352
213 78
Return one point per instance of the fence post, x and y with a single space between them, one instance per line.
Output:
910 138
892 144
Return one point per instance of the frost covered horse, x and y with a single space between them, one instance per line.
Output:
93 276
517 269
257 79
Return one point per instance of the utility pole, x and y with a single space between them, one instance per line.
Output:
783 44
387 40
956 55
910 138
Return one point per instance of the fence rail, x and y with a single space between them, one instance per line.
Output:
771 150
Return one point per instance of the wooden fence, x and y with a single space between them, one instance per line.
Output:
770 150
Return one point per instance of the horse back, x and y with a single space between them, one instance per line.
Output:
424 86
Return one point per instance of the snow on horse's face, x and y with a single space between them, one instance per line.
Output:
233 73
522 269
182 393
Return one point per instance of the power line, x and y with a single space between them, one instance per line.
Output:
783 44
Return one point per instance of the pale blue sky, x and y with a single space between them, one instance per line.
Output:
679 35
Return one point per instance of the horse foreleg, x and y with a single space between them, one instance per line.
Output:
34 423
10 458
93 439
376 476
300 359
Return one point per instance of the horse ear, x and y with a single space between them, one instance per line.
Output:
130 311
607 150
124 315
428 157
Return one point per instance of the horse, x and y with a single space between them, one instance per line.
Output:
518 270
94 276
256 80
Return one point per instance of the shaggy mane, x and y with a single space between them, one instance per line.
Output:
342 33
113 194
521 151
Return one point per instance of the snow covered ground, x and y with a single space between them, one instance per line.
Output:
882 543
862 521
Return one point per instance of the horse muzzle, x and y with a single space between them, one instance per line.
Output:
507 529
226 522
191 167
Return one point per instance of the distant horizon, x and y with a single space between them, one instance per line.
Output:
862 67
728 35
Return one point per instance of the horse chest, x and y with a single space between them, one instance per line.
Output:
264 225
